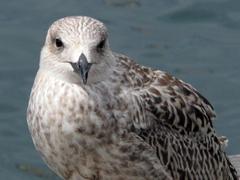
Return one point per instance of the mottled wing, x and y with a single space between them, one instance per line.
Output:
176 120
162 97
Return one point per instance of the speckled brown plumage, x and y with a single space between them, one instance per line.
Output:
128 122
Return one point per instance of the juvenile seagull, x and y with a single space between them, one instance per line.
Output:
97 115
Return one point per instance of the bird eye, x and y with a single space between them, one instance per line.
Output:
58 43
101 45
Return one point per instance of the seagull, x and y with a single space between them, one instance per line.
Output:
94 114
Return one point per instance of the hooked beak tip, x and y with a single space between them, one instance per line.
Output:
84 77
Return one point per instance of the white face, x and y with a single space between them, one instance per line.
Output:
77 48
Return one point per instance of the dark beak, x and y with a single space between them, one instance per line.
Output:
82 67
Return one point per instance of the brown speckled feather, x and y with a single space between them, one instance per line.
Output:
180 124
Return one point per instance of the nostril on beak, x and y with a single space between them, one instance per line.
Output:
82 67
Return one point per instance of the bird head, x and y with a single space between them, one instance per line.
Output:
77 50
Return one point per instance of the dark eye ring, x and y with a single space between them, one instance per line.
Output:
58 42
101 45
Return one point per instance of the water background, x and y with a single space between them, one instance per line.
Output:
195 40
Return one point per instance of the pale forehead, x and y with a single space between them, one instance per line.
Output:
78 26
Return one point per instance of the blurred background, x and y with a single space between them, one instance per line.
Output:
195 40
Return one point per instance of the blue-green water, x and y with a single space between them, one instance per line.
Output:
196 40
